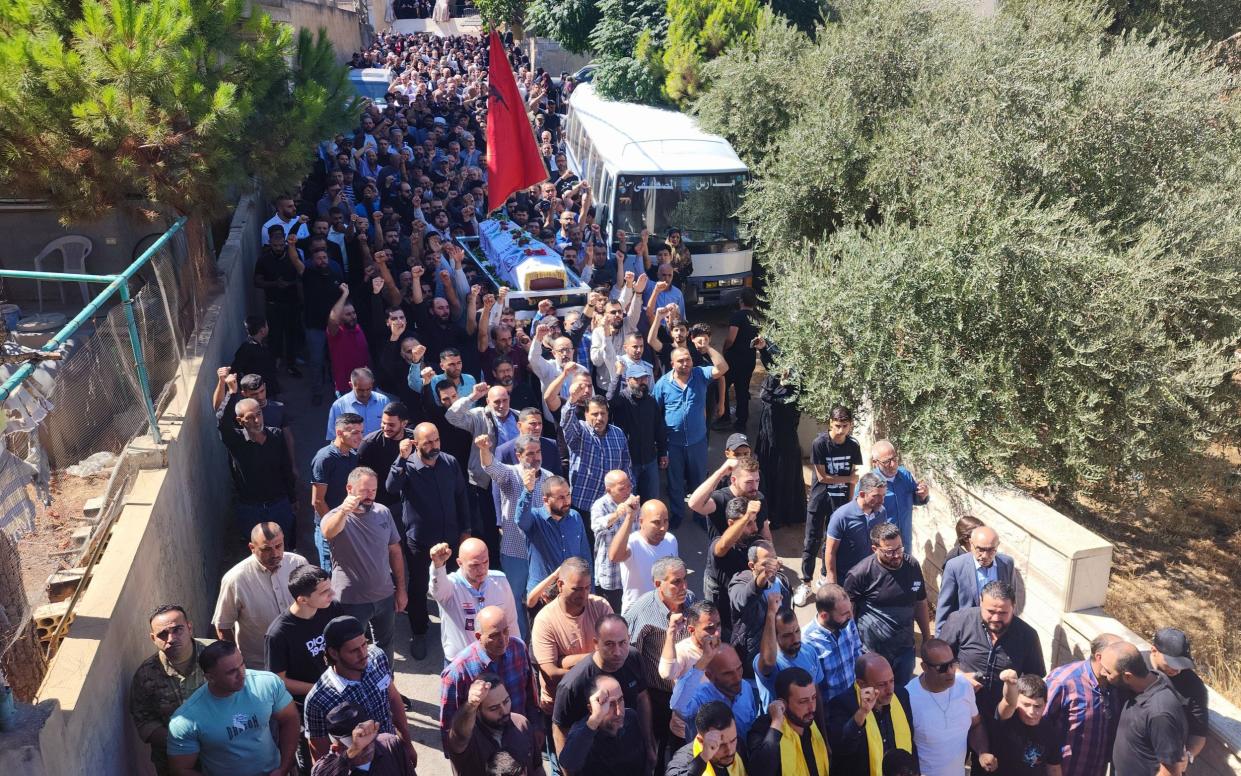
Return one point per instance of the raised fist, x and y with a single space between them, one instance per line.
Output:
480 390
303 219
406 448
1009 676
377 216
440 554
867 697
662 286
377 285
711 742
344 289
776 710
478 691
483 442
427 374
529 477
223 372
417 271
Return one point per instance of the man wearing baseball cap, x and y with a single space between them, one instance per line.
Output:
634 411
1170 656
358 746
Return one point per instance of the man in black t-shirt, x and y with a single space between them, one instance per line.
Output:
835 457
276 273
1022 742
294 649
744 476
741 356
889 596
612 656
1170 656
727 554
295 646
1151 732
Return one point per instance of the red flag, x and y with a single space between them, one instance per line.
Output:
513 159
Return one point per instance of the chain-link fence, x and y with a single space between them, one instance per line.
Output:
62 476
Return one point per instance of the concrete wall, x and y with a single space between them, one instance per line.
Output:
338 18
28 226
167 538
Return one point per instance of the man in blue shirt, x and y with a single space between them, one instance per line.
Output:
848 529
554 531
682 396
225 726
903 490
665 293
781 648
363 400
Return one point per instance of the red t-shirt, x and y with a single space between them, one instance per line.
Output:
348 351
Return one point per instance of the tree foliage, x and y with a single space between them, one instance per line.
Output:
173 101
699 31
1015 238
568 22
495 13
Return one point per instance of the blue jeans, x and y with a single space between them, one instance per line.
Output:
903 666
316 350
686 470
647 486
279 512
518 572
381 616
325 551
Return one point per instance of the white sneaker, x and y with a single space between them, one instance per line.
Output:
801 596
820 582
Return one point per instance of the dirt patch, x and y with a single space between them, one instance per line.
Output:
47 549
1176 563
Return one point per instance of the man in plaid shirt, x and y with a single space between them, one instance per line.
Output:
606 515
834 638
499 653
595 446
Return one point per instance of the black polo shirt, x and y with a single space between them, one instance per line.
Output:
884 601
1018 648
1152 730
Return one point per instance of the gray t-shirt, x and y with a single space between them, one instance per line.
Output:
360 570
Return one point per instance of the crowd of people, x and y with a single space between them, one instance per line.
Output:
531 475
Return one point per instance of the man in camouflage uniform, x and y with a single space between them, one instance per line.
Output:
165 679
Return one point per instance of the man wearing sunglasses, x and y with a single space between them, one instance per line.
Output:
945 715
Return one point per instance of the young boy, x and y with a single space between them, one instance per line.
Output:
1023 744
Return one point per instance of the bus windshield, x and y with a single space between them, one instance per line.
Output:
702 206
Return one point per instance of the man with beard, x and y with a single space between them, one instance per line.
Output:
786 741
1152 730
682 395
1083 708
434 320
945 715
633 410
346 344
889 596
275 271
166 679
554 532
498 422
498 342
655 619
609 740
360 533
484 725
434 509
510 481
461 594
450 372
866 724
262 469
714 749
637 551
255 592
360 674
990 638
750 593
724 683
595 446
362 400
834 639
530 422
357 746
381 448
322 288
520 395
619 319
781 648
744 478
728 553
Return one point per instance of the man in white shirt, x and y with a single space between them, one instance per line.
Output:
286 216
465 592
255 592
945 715
636 553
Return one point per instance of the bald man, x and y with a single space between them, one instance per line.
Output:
255 592
873 705
904 491
966 575
262 468
1152 731
460 592
1082 709
726 684
636 551
434 510
494 650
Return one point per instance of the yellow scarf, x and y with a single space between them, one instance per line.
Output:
874 740
793 758
736 769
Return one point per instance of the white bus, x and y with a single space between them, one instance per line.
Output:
657 169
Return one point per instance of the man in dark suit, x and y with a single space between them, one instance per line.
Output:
966 575
875 709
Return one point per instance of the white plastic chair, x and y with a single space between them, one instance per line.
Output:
73 248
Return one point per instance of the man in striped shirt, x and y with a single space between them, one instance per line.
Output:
1084 711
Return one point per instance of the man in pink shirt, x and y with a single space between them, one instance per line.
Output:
346 343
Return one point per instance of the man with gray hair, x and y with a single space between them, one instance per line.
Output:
848 530
362 400
655 618
904 491
262 469
617 501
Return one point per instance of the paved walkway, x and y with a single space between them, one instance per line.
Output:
419 680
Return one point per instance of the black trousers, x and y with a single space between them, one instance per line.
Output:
417 582
738 378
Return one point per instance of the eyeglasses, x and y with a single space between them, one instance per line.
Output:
940 667
886 461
